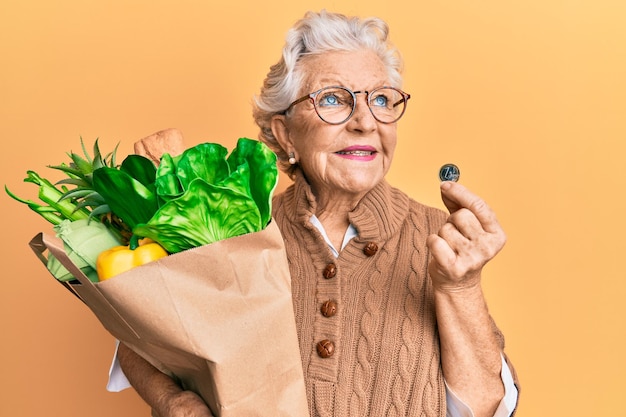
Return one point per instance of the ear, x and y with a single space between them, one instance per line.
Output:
280 130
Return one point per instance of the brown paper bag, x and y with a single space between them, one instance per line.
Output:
217 317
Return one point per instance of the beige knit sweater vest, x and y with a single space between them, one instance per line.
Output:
366 321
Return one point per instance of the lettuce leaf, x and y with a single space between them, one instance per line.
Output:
205 196
263 172
204 214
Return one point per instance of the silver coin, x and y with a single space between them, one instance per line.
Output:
449 172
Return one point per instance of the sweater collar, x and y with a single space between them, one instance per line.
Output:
378 215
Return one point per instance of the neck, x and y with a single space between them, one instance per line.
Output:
335 224
332 209
332 212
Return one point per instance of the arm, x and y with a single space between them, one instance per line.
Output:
470 344
457 408
158 390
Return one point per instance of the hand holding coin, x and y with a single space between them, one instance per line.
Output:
467 241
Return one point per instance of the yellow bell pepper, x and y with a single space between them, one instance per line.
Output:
122 258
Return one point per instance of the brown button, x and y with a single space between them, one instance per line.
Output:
330 271
329 308
370 249
325 348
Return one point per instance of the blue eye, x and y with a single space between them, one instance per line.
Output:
380 101
334 97
329 99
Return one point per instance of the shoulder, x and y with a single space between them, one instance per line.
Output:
280 200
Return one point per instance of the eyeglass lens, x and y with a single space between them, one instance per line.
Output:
336 104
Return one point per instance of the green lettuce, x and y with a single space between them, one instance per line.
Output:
206 195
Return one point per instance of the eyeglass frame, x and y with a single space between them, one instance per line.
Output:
313 95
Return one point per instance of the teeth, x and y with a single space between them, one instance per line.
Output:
358 153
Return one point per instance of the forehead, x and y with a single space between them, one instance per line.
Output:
353 69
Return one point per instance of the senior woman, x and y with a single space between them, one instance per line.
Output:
387 293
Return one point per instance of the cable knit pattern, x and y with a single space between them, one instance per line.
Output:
369 334
386 358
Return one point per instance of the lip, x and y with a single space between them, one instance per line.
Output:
358 153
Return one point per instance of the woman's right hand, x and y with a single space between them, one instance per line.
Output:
158 390
184 404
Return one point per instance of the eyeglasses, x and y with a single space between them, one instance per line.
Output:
335 105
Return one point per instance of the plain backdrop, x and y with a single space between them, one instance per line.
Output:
528 98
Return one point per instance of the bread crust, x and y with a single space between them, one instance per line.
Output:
164 141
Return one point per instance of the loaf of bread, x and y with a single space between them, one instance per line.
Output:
165 141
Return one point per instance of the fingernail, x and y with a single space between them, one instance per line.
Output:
445 185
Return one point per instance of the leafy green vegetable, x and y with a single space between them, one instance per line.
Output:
206 197
199 197
128 197
263 173
141 169
206 161
204 214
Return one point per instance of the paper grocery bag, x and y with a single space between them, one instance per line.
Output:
217 317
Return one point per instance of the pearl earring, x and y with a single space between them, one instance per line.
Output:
292 158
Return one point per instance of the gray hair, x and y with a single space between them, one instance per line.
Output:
314 34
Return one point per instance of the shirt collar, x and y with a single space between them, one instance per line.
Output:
350 233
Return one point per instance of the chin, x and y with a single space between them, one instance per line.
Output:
361 185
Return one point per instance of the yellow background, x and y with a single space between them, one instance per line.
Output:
527 97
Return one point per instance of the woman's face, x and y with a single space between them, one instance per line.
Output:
346 160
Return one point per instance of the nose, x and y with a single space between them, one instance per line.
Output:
362 119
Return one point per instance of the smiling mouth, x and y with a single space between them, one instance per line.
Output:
356 153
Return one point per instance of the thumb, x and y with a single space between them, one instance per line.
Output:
448 196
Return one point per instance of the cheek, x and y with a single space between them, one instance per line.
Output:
311 138
301 129
389 141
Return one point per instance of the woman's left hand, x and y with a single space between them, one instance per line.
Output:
466 242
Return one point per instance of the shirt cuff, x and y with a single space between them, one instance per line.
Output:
457 408
117 379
